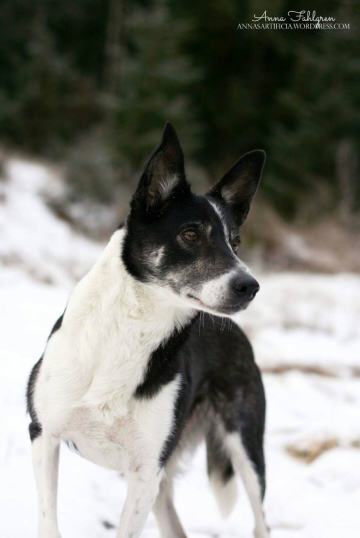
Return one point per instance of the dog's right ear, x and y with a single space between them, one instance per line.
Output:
164 174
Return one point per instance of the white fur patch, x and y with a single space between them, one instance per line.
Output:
45 453
229 192
157 256
129 444
167 185
213 293
244 467
225 494
218 211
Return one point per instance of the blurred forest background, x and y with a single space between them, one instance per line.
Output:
89 85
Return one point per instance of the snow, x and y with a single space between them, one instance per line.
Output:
31 236
305 332
309 320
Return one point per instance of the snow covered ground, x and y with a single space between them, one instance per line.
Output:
305 331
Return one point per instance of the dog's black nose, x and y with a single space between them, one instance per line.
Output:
245 287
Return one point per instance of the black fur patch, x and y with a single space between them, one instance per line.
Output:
57 325
217 367
238 186
164 362
228 473
72 446
252 424
108 525
35 428
235 390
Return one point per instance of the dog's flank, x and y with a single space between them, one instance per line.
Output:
130 370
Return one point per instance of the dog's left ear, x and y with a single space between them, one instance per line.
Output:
239 185
164 174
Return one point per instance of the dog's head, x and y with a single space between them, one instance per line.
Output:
186 243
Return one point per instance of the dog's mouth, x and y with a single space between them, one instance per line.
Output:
193 298
228 310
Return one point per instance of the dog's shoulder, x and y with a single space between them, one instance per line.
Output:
222 357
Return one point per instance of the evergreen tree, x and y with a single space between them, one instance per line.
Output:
316 138
155 80
45 99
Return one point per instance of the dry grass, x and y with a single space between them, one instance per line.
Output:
310 451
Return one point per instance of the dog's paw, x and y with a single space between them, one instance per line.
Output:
262 532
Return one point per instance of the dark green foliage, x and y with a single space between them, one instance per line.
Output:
318 116
156 81
45 99
93 82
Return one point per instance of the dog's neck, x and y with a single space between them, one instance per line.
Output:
109 296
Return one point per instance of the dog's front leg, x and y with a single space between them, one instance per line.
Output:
142 492
45 450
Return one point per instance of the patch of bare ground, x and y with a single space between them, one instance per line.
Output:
305 369
348 371
309 450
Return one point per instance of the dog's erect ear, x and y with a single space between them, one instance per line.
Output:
164 175
238 186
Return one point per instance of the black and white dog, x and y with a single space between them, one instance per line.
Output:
138 369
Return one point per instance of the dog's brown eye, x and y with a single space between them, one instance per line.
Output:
190 236
235 244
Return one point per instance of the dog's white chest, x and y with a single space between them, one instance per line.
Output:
127 442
